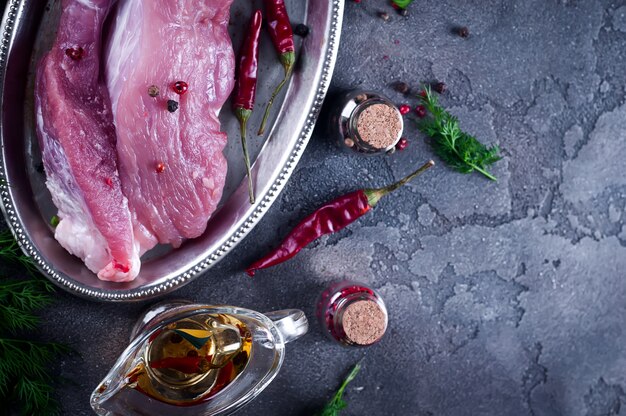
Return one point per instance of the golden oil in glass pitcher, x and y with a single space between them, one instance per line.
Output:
191 360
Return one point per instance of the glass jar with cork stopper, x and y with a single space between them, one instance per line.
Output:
366 122
352 314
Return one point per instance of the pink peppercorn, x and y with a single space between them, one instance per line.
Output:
404 109
402 144
420 110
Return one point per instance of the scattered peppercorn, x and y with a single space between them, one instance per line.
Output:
176 339
401 87
153 91
360 98
172 106
404 109
109 182
180 87
160 167
420 110
463 32
403 12
356 1
423 94
402 144
440 87
76 54
384 16
302 30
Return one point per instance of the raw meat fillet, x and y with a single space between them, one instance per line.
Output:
171 163
77 138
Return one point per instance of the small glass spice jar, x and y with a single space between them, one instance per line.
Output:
366 122
352 313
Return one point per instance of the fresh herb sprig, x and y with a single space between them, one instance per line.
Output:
11 252
25 379
337 404
460 150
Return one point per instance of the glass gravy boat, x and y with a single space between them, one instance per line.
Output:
194 359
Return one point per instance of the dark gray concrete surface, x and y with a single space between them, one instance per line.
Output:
505 298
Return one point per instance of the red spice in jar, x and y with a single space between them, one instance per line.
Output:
352 314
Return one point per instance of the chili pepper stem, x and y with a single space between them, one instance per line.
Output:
374 195
243 115
287 59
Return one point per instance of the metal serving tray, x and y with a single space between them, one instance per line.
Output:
28 28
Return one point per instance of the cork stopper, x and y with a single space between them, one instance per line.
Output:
364 322
379 125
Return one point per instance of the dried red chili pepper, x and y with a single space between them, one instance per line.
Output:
282 37
245 89
329 218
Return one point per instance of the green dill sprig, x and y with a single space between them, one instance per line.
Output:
19 299
458 149
10 251
337 404
26 383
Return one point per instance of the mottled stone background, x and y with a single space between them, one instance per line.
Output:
505 298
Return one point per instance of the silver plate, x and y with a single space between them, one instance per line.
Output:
27 26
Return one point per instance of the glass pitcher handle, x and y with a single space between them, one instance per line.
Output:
291 323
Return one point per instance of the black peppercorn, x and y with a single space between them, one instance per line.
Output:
440 87
401 87
462 32
301 30
172 106
153 91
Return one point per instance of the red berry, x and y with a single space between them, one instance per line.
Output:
423 94
109 182
420 110
76 54
402 144
180 87
160 167
395 6
356 1
404 109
